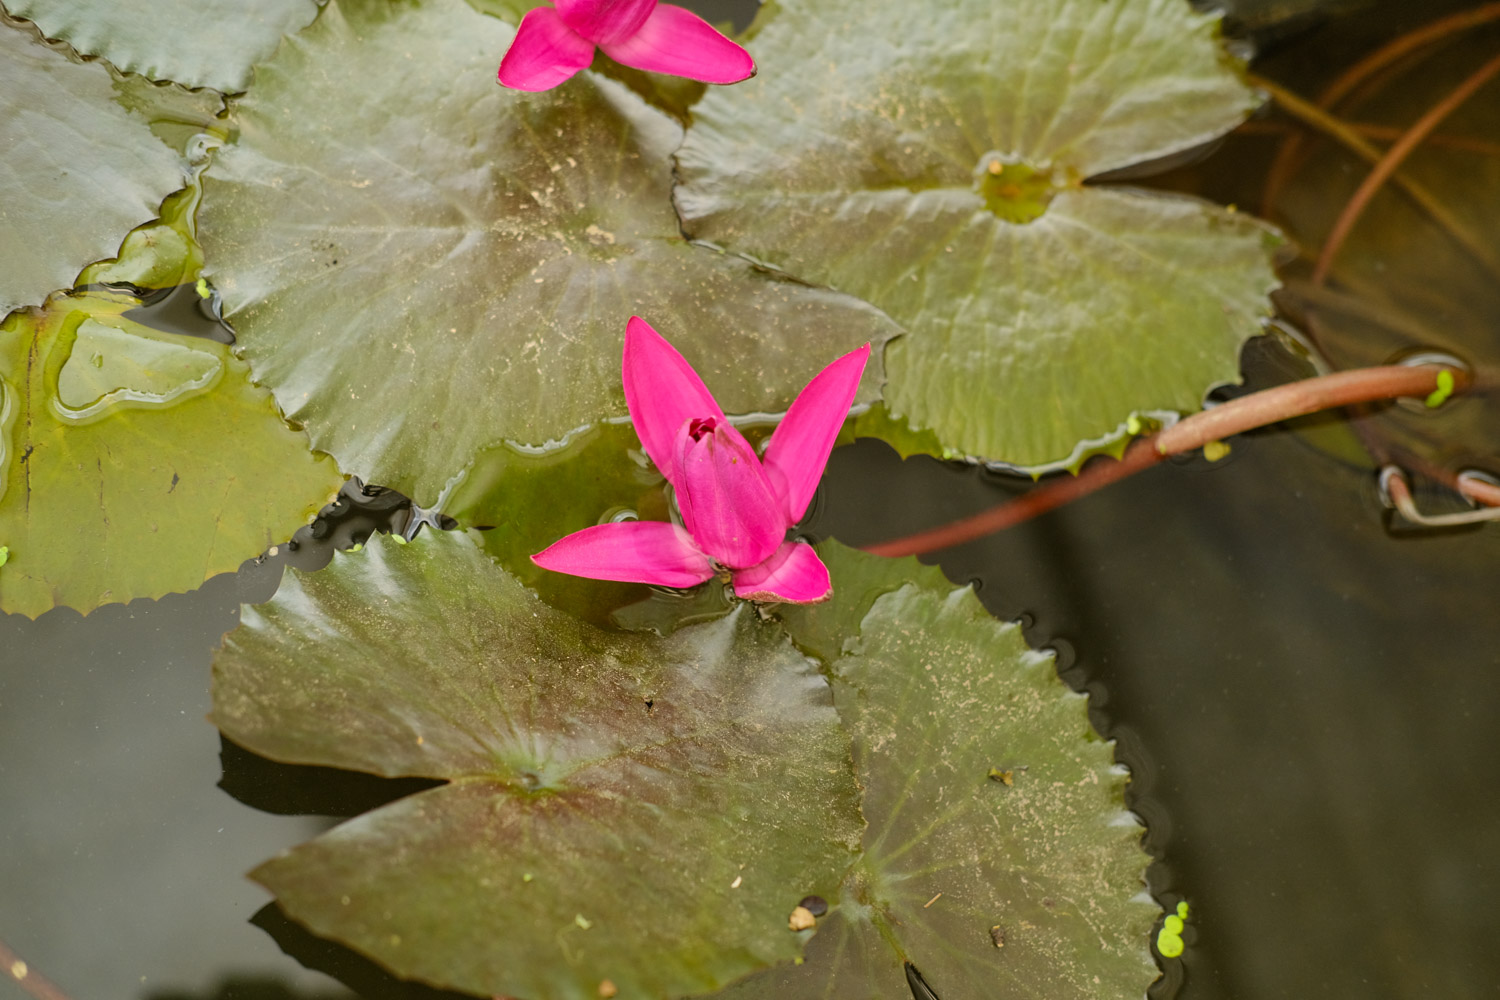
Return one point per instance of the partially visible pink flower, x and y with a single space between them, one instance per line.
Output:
553 43
736 508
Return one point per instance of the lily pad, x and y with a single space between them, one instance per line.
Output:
134 463
619 806
197 43
999 859
79 170
930 158
523 502
427 264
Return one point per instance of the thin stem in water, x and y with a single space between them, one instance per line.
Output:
1392 159
33 982
1348 136
1287 159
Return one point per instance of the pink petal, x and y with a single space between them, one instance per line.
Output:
545 52
675 40
725 500
605 21
656 552
801 443
663 393
794 575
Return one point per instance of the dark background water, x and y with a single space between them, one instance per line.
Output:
1306 696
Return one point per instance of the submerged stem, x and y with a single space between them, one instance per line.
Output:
1393 158
1287 160
1258 409
27 978
1349 137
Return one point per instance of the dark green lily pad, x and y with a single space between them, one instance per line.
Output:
134 463
930 158
1000 859
427 264
197 43
79 170
621 807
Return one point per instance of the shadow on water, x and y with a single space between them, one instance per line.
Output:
305 790
250 988
361 975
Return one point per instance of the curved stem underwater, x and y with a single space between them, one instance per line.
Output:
1353 139
1393 159
1287 159
1257 409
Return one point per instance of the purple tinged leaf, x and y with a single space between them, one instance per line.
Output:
802 442
657 552
726 502
545 53
605 22
663 393
676 41
794 575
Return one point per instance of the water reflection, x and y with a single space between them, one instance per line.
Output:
107 367
188 310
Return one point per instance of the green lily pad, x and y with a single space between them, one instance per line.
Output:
930 158
427 264
197 43
79 170
999 859
523 501
134 463
619 806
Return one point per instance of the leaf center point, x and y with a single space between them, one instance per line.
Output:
1012 189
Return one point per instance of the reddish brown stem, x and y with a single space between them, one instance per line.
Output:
1480 492
1257 409
33 982
1392 159
1297 399
1140 455
1349 137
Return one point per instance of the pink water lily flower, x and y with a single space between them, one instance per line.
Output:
553 43
736 508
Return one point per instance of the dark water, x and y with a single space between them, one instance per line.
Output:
1307 699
